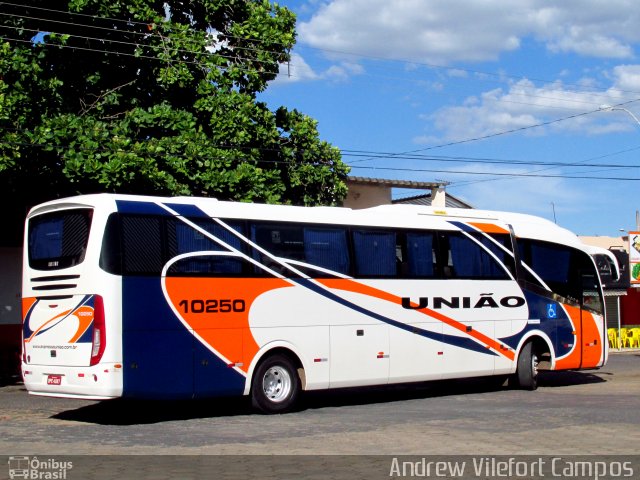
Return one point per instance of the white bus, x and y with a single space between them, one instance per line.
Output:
133 296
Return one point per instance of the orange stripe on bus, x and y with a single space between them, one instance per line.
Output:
84 314
489 228
27 303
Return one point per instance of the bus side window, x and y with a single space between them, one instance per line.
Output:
467 259
141 244
420 254
111 251
567 272
553 264
189 239
327 248
504 256
375 253
279 240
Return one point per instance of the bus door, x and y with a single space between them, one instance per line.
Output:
591 334
585 334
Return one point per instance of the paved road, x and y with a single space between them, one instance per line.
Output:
593 412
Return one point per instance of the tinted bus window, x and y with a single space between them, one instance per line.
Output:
192 240
566 272
467 259
375 253
317 246
552 263
142 245
503 251
281 240
327 248
419 260
59 239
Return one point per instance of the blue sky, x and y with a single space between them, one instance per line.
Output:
487 95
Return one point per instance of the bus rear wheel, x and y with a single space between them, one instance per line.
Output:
527 370
275 387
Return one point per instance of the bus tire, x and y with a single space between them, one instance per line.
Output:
527 371
276 385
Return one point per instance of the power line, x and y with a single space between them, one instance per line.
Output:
137 45
108 52
148 25
158 142
504 132
466 172
145 35
437 158
288 161
471 182
146 57
78 14
382 155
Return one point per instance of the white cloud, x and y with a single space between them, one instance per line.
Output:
523 104
596 45
626 78
297 70
472 30
457 73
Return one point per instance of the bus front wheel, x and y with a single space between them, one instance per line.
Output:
276 385
527 370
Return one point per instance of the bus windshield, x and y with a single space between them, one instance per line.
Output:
58 240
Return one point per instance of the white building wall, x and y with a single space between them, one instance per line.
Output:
365 196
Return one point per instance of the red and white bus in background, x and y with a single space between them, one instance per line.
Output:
134 296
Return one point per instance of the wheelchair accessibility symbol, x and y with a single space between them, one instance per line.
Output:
552 312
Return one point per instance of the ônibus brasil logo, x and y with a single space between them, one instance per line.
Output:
36 469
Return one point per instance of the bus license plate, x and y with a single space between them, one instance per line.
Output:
54 380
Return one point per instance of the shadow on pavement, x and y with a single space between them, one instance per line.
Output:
140 412
10 380
568 378
442 388
133 412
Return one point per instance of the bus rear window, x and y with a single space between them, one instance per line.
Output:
58 240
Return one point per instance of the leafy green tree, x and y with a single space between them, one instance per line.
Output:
154 97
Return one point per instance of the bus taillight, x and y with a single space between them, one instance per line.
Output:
99 333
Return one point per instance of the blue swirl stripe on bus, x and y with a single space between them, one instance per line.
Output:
559 330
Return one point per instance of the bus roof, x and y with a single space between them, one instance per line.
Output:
406 216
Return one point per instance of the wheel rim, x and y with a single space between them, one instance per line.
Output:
276 384
534 365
